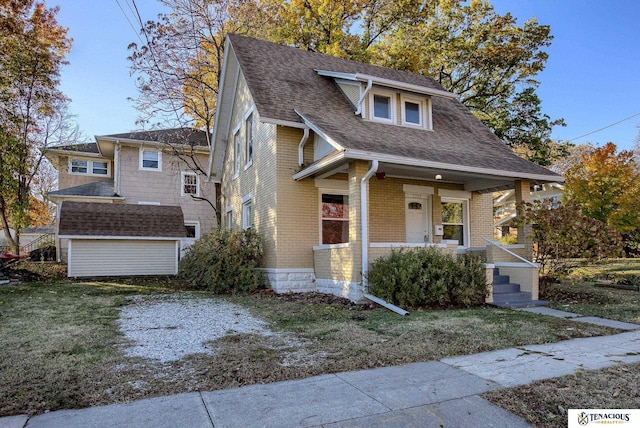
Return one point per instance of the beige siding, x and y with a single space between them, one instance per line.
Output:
164 187
121 257
66 179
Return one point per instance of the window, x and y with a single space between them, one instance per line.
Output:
192 229
415 111
249 139
236 154
229 219
412 113
100 168
335 219
150 160
88 167
454 214
79 166
247 213
382 106
190 185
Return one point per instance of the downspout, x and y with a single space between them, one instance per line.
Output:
364 94
303 141
116 169
365 219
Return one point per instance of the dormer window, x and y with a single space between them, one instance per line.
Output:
415 111
383 106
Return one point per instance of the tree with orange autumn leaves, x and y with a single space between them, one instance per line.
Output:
606 185
32 108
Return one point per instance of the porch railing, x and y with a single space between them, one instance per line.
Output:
511 253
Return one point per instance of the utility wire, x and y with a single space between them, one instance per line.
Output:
605 127
129 21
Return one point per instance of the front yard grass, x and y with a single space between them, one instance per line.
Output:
60 346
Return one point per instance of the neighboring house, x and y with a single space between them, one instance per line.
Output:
139 168
504 206
335 163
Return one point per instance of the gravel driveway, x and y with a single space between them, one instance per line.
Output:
168 328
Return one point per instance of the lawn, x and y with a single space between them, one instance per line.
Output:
60 346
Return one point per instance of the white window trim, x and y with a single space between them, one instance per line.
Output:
229 216
148 203
90 167
247 223
339 189
249 161
424 111
182 176
466 226
236 151
196 224
393 106
140 163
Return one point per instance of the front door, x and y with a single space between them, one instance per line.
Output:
417 220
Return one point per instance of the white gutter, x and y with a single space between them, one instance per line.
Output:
303 141
365 219
364 94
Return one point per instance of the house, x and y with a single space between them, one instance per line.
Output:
504 206
146 169
335 163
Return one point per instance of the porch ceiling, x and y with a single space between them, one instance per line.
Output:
472 181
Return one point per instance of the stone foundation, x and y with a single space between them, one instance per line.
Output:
291 280
350 290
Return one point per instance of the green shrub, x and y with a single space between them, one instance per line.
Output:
224 261
428 277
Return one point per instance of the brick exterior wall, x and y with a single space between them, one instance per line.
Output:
481 218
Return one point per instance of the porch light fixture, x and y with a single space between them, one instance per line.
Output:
438 177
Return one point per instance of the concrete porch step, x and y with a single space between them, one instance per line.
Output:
500 279
506 288
516 296
520 305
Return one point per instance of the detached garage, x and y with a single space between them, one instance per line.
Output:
121 239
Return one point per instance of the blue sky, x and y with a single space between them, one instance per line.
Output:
591 79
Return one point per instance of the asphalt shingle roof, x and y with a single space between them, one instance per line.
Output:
103 188
284 82
95 219
174 135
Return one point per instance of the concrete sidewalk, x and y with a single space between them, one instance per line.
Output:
429 394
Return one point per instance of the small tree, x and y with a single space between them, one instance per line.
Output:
564 235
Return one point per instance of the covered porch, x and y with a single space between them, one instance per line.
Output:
371 207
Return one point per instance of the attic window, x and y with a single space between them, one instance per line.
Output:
382 106
415 111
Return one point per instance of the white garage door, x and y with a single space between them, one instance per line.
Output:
106 257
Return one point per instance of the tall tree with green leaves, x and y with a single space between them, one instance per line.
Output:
487 59
33 47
